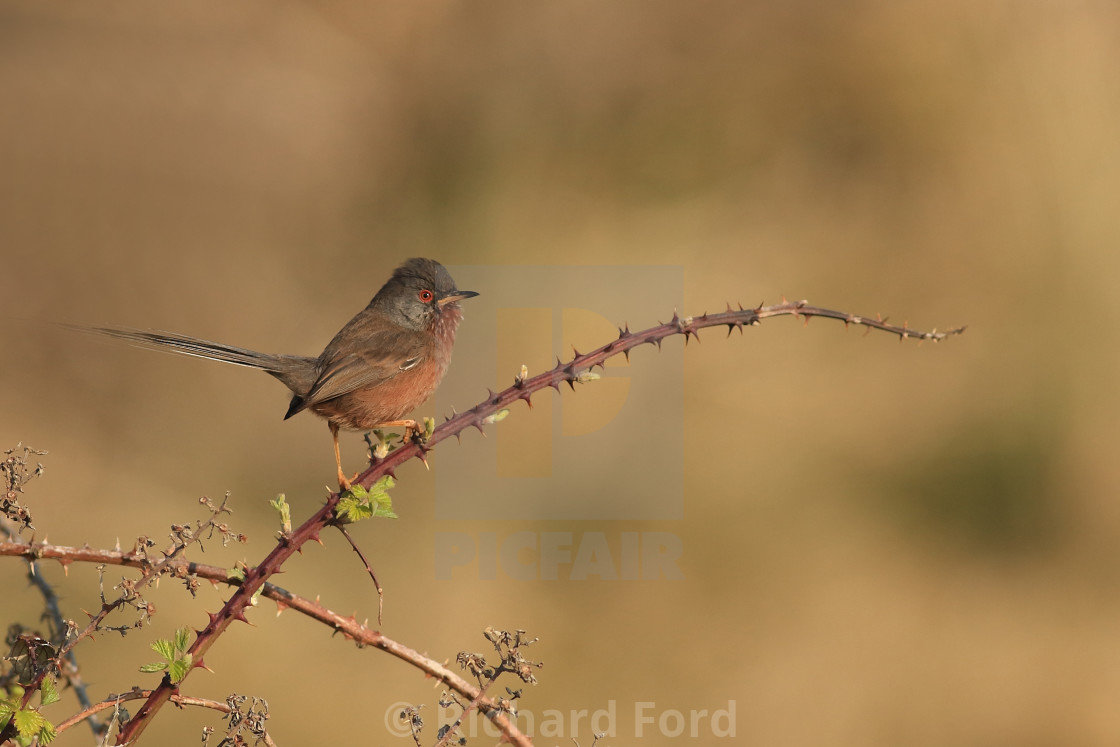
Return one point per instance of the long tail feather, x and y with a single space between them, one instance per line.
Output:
176 343
296 372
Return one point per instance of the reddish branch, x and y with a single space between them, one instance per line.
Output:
113 703
347 626
572 371
255 578
130 595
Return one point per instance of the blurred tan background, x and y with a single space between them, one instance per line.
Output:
882 544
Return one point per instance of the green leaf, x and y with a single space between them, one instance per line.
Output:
383 504
351 509
384 508
281 506
182 638
359 503
47 734
48 693
180 667
385 484
29 722
166 649
237 572
159 666
499 416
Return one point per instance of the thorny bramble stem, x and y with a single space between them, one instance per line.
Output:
523 388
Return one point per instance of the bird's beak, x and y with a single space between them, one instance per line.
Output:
454 296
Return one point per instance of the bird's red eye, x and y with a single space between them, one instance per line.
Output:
426 296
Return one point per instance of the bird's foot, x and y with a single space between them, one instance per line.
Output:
420 432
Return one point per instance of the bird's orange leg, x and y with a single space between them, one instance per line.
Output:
343 483
411 428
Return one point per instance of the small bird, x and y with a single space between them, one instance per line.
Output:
383 364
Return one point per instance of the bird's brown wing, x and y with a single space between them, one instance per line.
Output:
364 369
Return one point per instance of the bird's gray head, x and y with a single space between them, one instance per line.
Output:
419 293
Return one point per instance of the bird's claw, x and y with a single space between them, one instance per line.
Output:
417 433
